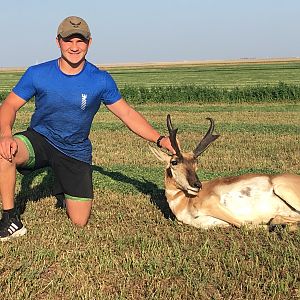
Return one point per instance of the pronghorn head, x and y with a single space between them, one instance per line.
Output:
182 166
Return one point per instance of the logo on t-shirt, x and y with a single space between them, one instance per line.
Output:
83 101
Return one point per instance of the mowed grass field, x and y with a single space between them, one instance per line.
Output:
132 248
227 74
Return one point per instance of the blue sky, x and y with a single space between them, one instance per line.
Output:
150 31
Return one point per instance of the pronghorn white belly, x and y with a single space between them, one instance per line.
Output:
254 201
201 221
204 221
180 208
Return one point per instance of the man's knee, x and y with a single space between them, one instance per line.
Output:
77 220
22 155
79 211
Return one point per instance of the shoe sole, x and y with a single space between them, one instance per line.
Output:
18 233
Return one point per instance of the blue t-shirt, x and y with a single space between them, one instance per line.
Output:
65 105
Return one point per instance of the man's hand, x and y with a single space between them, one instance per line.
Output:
166 143
8 148
8 110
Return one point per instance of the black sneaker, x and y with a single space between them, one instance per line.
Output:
10 228
60 201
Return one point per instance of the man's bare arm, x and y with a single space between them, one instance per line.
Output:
8 110
137 123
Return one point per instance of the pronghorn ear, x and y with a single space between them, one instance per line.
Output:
162 156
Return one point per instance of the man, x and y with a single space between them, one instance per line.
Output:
68 92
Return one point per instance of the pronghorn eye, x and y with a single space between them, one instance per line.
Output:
174 162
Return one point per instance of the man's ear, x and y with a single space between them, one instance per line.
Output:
90 42
57 42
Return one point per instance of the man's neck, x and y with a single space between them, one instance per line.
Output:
68 68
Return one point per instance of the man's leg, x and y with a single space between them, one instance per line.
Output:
79 211
74 180
10 225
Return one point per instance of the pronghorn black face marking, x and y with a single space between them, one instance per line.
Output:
183 170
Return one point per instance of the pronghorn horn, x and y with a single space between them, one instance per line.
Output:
207 139
172 134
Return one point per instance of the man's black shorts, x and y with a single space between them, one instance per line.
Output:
72 177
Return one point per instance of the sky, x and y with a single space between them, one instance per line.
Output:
140 31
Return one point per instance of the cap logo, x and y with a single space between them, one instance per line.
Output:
76 25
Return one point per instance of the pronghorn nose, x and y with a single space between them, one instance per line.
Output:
198 185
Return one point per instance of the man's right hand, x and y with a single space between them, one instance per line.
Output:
8 110
8 147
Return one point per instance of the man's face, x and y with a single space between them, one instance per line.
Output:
74 48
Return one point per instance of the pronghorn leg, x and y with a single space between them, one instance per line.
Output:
278 220
286 186
292 222
215 209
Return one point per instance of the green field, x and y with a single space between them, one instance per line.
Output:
221 75
227 75
132 248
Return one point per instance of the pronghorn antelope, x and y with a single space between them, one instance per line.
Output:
255 199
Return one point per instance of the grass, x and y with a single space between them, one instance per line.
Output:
209 75
201 83
130 249
222 75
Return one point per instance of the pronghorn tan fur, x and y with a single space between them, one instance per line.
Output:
254 199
